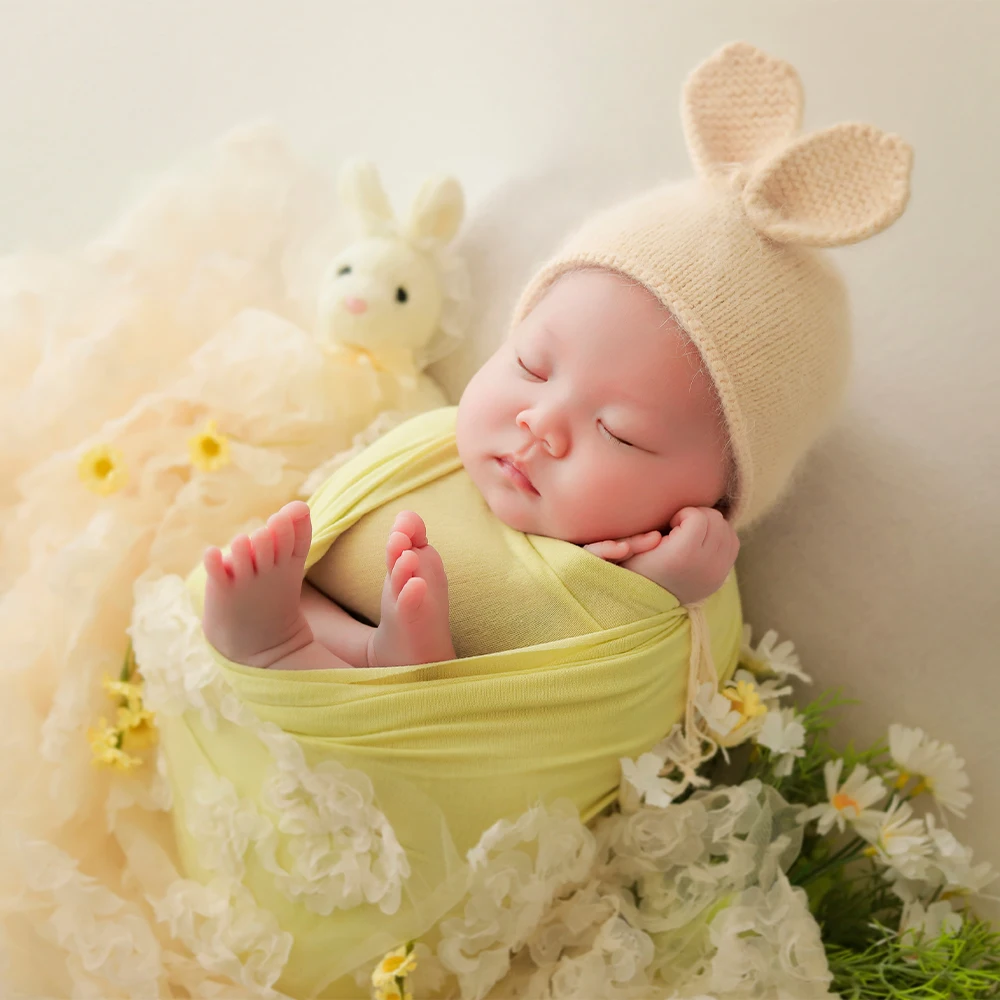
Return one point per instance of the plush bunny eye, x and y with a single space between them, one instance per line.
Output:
346 269
401 295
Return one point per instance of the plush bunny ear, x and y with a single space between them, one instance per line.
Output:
437 211
737 105
830 188
360 189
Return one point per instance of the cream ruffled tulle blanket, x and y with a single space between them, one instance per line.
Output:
198 307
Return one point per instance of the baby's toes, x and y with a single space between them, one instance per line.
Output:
432 566
215 566
404 570
283 533
263 549
302 528
241 557
412 525
411 597
397 544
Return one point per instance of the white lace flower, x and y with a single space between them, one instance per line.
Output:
643 775
784 734
849 801
929 922
342 848
898 837
768 658
766 944
511 890
177 665
941 769
227 931
107 940
223 824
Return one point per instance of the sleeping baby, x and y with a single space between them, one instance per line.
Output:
663 378
595 422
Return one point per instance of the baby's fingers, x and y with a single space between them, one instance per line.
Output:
611 551
694 523
643 543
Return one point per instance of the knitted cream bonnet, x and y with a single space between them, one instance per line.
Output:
730 255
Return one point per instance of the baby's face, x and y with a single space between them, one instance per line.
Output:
594 420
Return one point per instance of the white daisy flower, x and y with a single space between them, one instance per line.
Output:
849 801
954 861
733 714
769 658
643 775
784 734
718 713
947 868
940 768
898 838
770 690
929 922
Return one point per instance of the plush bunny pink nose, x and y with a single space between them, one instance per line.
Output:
356 306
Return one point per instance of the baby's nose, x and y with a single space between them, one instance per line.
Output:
355 305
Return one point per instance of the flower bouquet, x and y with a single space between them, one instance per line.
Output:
779 867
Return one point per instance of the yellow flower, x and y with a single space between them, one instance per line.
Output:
746 701
137 727
130 692
102 470
396 965
209 450
392 992
105 744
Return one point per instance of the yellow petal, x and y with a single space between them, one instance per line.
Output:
138 727
209 450
104 742
102 470
128 690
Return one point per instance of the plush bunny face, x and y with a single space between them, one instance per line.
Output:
380 292
388 292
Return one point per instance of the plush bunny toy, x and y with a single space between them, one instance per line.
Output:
390 299
390 304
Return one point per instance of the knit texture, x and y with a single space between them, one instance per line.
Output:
730 254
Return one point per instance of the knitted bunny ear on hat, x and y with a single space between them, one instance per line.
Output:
732 255
741 110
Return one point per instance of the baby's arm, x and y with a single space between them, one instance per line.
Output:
692 561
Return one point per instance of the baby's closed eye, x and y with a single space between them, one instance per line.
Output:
614 437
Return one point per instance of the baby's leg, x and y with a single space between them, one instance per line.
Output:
414 627
334 628
253 609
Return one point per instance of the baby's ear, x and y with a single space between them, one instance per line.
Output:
437 210
831 188
737 105
361 189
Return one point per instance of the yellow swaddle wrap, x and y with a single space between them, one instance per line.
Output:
351 796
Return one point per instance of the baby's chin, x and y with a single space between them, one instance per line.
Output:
533 520
505 507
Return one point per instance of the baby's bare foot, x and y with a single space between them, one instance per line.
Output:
253 611
414 627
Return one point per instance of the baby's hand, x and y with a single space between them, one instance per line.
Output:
623 548
692 562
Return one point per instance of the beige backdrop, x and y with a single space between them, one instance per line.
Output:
883 565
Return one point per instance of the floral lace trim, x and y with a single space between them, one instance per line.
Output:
557 911
323 812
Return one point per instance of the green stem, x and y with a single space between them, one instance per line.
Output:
847 853
126 672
